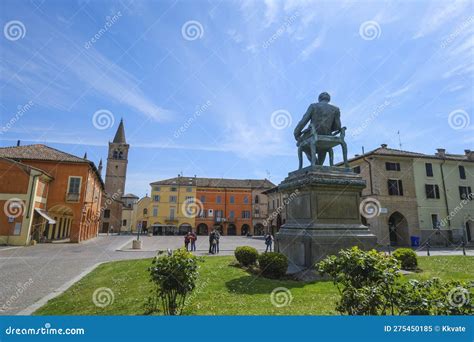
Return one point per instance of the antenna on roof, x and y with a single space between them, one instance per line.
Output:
363 150
399 140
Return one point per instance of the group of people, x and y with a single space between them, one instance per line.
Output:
214 242
190 239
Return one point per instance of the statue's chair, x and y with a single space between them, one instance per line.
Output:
311 143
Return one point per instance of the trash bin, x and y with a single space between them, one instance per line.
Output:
415 241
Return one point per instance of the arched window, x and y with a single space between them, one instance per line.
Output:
120 156
115 155
145 211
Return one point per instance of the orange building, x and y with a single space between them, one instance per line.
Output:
47 195
226 205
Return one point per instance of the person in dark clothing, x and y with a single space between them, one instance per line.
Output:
268 242
212 240
186 241
193 238
217 237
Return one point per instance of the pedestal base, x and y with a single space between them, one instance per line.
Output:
322 215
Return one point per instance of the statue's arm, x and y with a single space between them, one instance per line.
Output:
303 122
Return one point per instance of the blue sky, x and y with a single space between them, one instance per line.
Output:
215 88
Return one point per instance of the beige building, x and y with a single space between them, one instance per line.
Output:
129 213
412 203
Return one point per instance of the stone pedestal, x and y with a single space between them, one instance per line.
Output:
137 244
322 215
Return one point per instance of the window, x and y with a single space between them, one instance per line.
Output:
356 169
145 211
278 203
124 223
74 185
246 214
107 213
435 221
462 172
218 199
465 193
203 199
17 229
246 199
231 214
156 188
392 166
156 198
172 212
257 212
189 189
429 169
155 211
257 200
189 199
173 188
395 187
173 199
232 199
432 190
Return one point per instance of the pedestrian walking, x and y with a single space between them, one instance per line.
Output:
212 239
268 242
186 241
193 241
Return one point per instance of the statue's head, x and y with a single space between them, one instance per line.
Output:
324 97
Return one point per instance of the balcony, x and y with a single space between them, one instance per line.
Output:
220 219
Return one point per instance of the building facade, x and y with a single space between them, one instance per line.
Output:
115 178
182 204
171 206
129 213
416 195
65 192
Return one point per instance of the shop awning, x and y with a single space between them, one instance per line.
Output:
45 215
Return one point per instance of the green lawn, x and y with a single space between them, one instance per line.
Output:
223 289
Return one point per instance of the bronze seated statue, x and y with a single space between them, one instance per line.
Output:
315 146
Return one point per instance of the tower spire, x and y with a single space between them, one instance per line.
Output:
120 135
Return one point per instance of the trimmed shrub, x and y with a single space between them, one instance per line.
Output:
246 255
174 277
273 265
407 258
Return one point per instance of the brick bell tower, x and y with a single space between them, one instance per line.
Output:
115 177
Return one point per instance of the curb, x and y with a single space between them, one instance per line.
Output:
32 308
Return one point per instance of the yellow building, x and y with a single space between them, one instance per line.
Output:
172 206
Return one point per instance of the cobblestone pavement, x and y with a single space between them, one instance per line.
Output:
28 274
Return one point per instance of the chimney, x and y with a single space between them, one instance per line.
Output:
384 145
441 152
18 143
469 155
85 156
